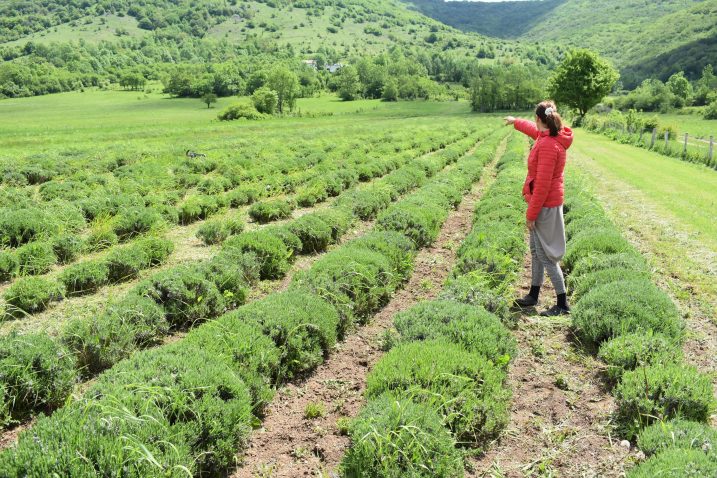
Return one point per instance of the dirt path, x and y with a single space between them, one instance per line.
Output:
684 267
288 444
560 416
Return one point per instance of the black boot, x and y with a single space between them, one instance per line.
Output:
561 308
531 299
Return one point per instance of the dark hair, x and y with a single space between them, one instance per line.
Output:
553 122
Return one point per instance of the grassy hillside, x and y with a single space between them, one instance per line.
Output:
643 38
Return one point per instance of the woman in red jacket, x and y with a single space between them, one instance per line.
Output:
543 191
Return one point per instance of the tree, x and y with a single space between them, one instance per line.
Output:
286 85
209 99
348 83
582 80
265 100
390 91
681 88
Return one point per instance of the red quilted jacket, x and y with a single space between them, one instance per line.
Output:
543 186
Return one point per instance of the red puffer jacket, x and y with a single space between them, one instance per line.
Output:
543 186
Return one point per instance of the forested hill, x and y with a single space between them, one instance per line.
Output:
55 45
644 38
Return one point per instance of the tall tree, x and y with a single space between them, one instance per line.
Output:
286 85
348 83
582 80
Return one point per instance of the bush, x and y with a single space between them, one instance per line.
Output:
630 351
271 252
676 463
36 374
493 249
394 246
134 221
592 241
311 194
662 392
475 289
232 271
8 265
101 238
463 387
397 438
241 110
420 223
216 231
125 263
624 307
302 325
67 248
154 249
265 100
597 262
314 234
678 434
475 329
185 295
582 284
268 211
35 258
711 111
30 295
85 277
337 218
20 226
244 194
197 207
368 202
100 342
246 349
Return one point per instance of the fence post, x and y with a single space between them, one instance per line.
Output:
642 131
667 139
685 148
712 147
654 138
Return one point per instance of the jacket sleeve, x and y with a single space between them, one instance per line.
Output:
547 158
526 127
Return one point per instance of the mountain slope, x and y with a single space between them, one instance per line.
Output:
640 36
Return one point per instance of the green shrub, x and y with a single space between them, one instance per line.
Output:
85 277
185 295
676 463
35 258
398 438
232 271
246 349
268 211
271 252
477 330
197 207
493 249
302 325
67 248
626 260
311 194
125 263
135 221
595 222
678 434
36 374
420 223
582 284
355 281
244 194
339 219
8 265
314 234
290 240
475 288
624 307
218 230
661 392
19 226
592 241
241 110
100 238
394 246
154 249
627 352
466 389
30 295
368 202
126 326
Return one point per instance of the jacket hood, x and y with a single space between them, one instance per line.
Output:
564 137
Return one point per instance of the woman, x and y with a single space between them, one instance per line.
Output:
543 191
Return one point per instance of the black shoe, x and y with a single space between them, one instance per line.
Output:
527 301
555 311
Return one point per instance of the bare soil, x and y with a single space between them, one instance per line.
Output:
289 444
560 416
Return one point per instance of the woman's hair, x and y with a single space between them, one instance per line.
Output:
552 119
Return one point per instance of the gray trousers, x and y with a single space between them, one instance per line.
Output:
547 247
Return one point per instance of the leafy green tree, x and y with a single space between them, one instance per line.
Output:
582 80
390 90
681 88
256 81
133 81
286 85
265 100
209 99
705 85
348 83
